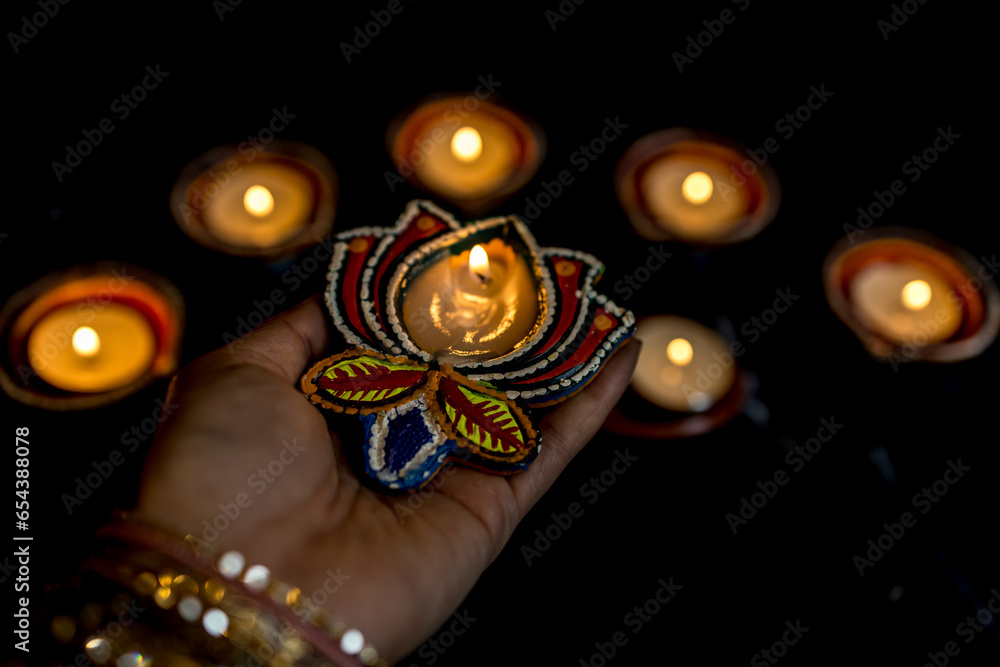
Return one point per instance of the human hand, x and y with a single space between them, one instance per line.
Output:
240 411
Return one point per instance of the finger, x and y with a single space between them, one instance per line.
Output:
286 342
570 426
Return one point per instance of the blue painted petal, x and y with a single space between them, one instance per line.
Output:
405 438
404 447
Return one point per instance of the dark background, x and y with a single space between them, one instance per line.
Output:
665 517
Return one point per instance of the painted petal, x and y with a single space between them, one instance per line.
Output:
364 381
484 422
574 275
405 447
363 259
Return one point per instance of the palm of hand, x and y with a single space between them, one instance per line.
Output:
243 444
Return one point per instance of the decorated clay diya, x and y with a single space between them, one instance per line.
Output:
456 332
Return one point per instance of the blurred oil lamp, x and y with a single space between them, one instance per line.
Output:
89 336
906 293
695 187
686 381
463 149
266 203
456 331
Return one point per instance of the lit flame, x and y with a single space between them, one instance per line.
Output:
697 187
479 264
679 351
466 145
258 201
916 294
86 342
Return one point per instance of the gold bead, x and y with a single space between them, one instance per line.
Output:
215 590
165 597
293 597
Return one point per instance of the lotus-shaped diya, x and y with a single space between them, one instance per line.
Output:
457 331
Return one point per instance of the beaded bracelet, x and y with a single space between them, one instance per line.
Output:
148 599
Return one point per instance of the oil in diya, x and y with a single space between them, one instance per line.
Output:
475 305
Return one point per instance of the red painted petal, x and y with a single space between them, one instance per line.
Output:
424 226
569 275
358 250
601 326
